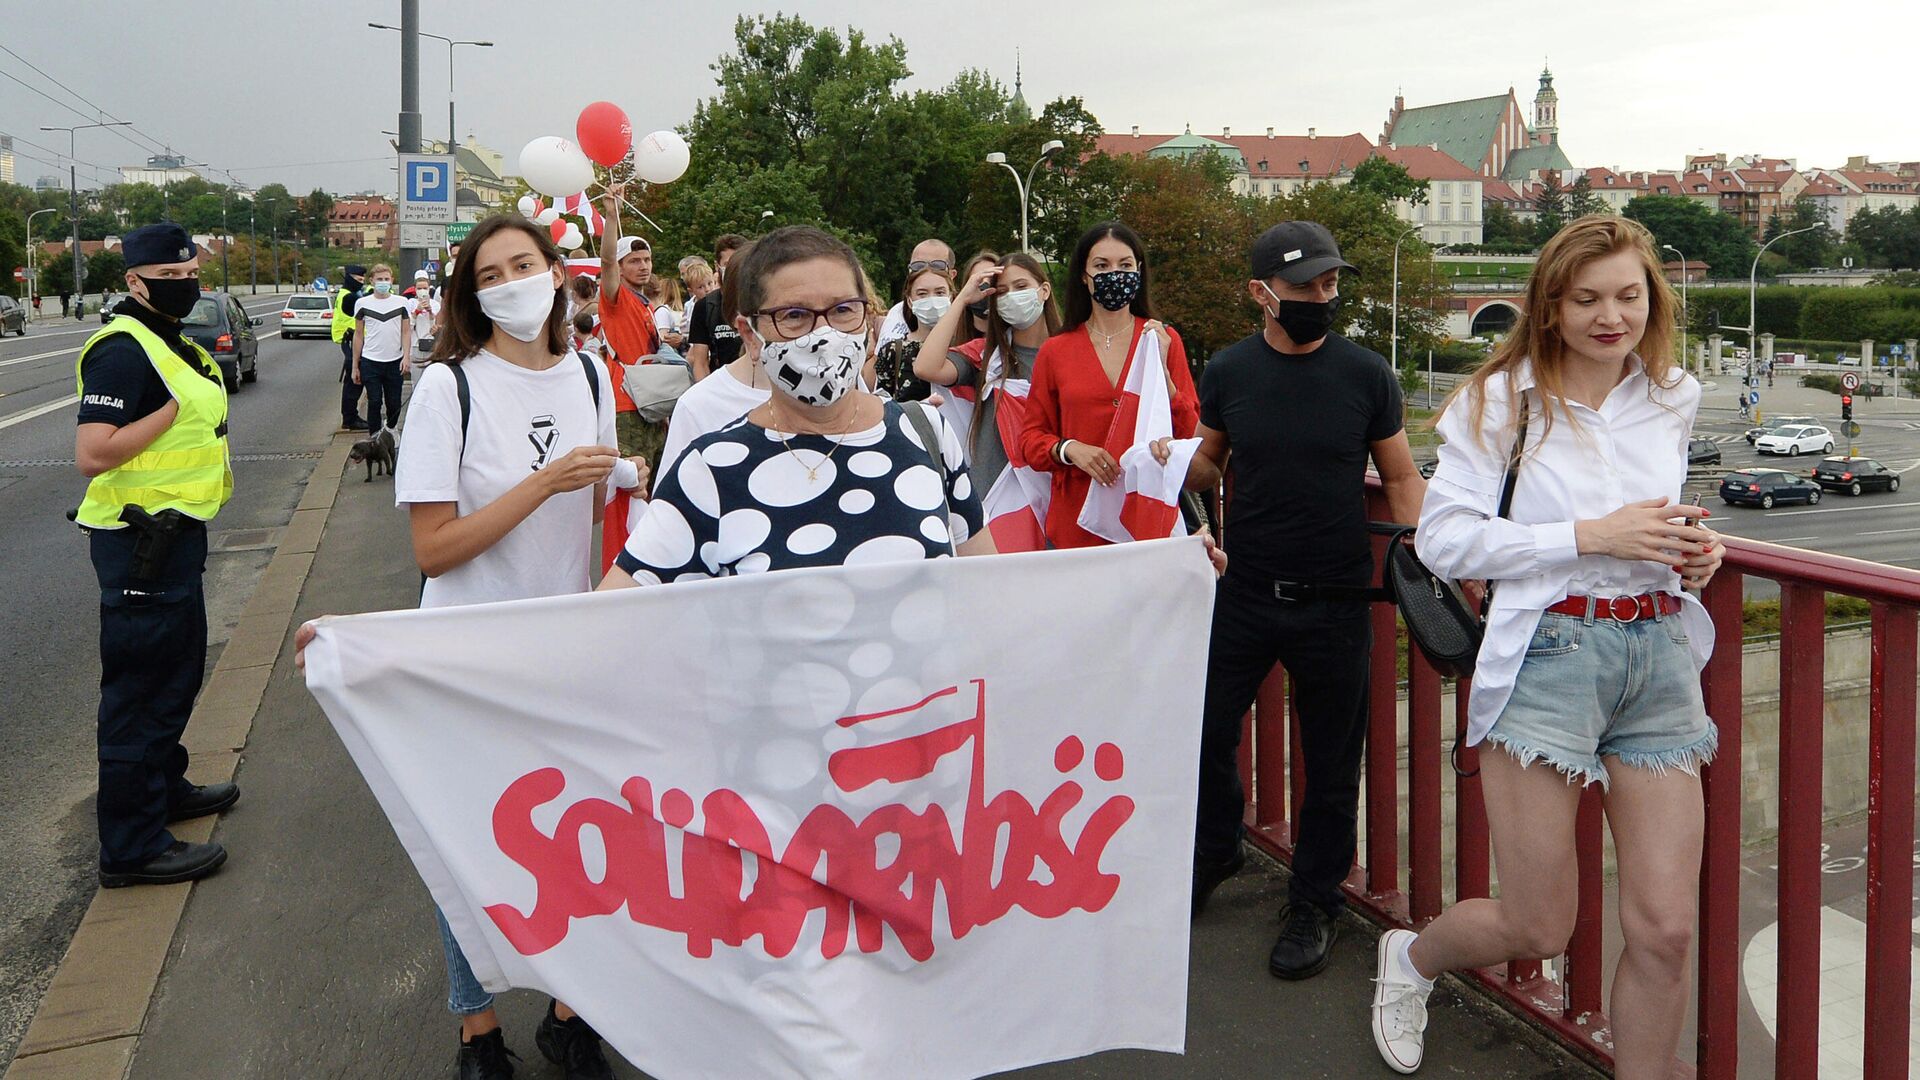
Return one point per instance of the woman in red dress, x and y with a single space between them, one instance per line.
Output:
1080 373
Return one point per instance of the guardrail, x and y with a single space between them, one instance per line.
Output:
1571 1004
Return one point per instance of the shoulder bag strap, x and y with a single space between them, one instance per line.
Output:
1506 488
466 404
593 378
929 438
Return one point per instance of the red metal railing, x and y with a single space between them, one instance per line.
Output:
1571 1006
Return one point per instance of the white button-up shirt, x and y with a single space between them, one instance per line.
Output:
1634 447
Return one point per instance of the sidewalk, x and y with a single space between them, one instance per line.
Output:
313 953
1787 396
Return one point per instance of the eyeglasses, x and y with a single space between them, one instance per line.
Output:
793 322
941 265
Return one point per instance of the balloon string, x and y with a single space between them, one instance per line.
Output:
602 188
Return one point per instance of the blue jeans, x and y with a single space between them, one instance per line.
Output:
465 995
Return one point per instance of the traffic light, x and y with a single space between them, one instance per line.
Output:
1846 406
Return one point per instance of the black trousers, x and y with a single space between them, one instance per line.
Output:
1325 647
349 390
381 380
153 656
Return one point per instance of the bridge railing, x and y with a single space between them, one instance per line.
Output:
1567 998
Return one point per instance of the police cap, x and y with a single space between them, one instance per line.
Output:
163 242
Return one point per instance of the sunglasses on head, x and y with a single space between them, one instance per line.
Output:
941 265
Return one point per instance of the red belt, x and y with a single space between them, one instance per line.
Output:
1624 609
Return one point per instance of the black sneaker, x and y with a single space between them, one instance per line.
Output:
1209 874
1306 942
574 1046
486 1057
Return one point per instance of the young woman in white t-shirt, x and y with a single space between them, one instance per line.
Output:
504 501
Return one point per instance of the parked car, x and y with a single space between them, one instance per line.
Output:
306 315
13 317
1796 440
1768 427
108 300
1427 467
1702 452
1854 475
1765 487
224 329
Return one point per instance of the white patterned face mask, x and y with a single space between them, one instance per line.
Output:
817 369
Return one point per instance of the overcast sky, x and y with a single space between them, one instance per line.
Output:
267 91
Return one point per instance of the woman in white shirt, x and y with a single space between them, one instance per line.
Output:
1589 670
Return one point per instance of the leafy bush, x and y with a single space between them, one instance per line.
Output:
1880 313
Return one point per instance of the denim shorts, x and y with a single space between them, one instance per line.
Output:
1590 690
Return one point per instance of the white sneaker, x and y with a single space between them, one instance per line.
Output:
1399 1005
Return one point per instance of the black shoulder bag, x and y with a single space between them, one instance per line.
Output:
1439 619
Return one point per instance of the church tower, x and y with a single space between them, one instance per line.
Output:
1546 111
1019 104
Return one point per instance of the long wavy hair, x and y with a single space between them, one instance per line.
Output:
1536 336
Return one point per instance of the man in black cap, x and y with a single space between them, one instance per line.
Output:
152 439
352 276
1294 412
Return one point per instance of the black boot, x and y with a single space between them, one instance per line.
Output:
181 862
485 1057
201 801
574 1046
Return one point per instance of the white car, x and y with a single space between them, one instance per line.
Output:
1796 440
307 315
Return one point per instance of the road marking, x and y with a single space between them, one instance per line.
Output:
1888 532
39 410
1841 510
10 362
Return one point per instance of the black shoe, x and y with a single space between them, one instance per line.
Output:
181 862
574 1046
1306 942
210 799
486 1058
355 424
1210 874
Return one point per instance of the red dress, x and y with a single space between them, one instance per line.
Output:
1073 399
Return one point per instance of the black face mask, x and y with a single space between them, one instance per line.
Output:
979 310
1305 321
172 297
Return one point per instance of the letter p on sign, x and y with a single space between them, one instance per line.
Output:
426 181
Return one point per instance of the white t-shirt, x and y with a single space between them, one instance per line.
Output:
424 308
521 420
380 320
712 403
666 319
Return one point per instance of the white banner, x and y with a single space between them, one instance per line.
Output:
928 819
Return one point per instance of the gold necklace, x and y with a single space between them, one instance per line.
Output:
813 473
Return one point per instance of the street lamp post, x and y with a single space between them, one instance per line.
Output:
33 274
1025 187
451 136
1394 336
1685 360
73 206
253 248
1753 299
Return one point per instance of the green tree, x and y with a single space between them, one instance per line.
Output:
312 223
56 274
1502 227
1581 201
1704 234
1551 204
1389 181
106 270
12 254
1888 237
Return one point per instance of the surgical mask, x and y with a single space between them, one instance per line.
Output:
929 309
520 307
172 297
1115 289
1305 321
1021 308
382 288
817 369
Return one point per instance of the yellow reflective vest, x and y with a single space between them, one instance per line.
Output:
186 468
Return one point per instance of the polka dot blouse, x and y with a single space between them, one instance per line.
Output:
745 500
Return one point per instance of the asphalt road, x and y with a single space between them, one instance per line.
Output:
49 626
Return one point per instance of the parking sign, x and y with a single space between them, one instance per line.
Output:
426 189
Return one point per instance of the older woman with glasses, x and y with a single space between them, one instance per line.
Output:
824 473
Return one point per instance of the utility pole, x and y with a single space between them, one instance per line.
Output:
253 245
410 258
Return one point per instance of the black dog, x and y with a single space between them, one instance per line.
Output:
375 450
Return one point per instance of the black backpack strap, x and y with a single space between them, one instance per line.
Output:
466 404
593 378
929 438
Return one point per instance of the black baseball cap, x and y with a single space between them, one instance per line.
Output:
1297 252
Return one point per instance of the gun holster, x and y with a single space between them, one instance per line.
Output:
155 536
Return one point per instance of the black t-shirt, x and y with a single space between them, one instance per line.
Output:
118 382
1300 429
717 334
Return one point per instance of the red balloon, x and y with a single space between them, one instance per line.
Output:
558 229
604 133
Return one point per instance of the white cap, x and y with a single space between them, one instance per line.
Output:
625 246
422 275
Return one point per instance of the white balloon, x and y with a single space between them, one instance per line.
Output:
526 205
571 239
661 158
555 167
548 216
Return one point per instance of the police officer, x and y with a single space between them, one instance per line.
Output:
352 276
152 439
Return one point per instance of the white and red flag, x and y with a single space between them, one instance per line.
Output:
1144 504
830 826
1016 505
